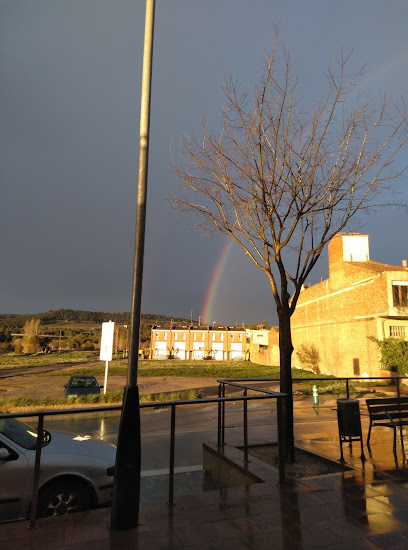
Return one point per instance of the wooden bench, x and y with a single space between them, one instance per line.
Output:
391 412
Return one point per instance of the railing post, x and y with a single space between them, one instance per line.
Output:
398 387
347 389
171 469
219 418
34 499
245 428
281 440
223 417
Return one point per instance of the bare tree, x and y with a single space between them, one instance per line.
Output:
282 181
30 340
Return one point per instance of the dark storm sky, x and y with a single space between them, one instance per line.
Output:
70 76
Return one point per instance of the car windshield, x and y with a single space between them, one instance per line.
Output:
83 383
20 433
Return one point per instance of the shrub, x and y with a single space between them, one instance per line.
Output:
393 354
18 345
87 346
31 344
309 357
5 346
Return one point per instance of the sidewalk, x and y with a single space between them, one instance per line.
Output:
361 509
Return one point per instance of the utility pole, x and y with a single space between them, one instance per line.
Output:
126 489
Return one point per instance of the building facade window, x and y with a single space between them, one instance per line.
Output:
195 336
157 335
222 336
184 335
356 367
175 336
165 335
397 331
240 337
400 294
203 336
213 336
232 337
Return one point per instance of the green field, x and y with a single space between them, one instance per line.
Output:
10 404
14 361
187 369
201 369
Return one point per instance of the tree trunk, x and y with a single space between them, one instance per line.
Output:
285 354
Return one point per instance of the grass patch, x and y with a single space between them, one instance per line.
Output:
324 387
173 396
337 387
12 404
187 369
14 361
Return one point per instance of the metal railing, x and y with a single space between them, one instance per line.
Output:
237 381
266 394
280 417
245 384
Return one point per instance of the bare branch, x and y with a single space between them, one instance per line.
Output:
281 180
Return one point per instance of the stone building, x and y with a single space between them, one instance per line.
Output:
361 298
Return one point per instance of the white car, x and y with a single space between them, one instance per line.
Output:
76 472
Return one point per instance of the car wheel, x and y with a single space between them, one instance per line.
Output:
64 497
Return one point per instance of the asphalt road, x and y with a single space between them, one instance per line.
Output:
195 425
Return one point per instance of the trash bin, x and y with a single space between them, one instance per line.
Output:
348 416
349 422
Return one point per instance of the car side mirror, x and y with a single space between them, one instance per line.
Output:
64 386
4 454
46 438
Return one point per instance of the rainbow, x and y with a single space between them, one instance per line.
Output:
389 64
214 283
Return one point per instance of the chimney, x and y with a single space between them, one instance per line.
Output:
404 263
345 248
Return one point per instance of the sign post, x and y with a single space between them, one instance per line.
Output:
107 347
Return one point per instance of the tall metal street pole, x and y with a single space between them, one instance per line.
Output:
126 489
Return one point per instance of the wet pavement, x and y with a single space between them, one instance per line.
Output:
365 508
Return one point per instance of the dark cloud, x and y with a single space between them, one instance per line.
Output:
69 102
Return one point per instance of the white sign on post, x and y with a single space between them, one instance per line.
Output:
107 347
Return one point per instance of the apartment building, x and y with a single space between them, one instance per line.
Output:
361 298
198 342
264 346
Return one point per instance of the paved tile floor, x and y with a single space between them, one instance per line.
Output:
361 509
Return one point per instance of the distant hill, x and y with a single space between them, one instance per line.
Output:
78 326
71 316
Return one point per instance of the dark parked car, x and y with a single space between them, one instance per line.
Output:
82 385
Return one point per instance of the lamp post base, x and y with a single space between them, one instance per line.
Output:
126 488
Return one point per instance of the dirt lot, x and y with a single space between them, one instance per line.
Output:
51 386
